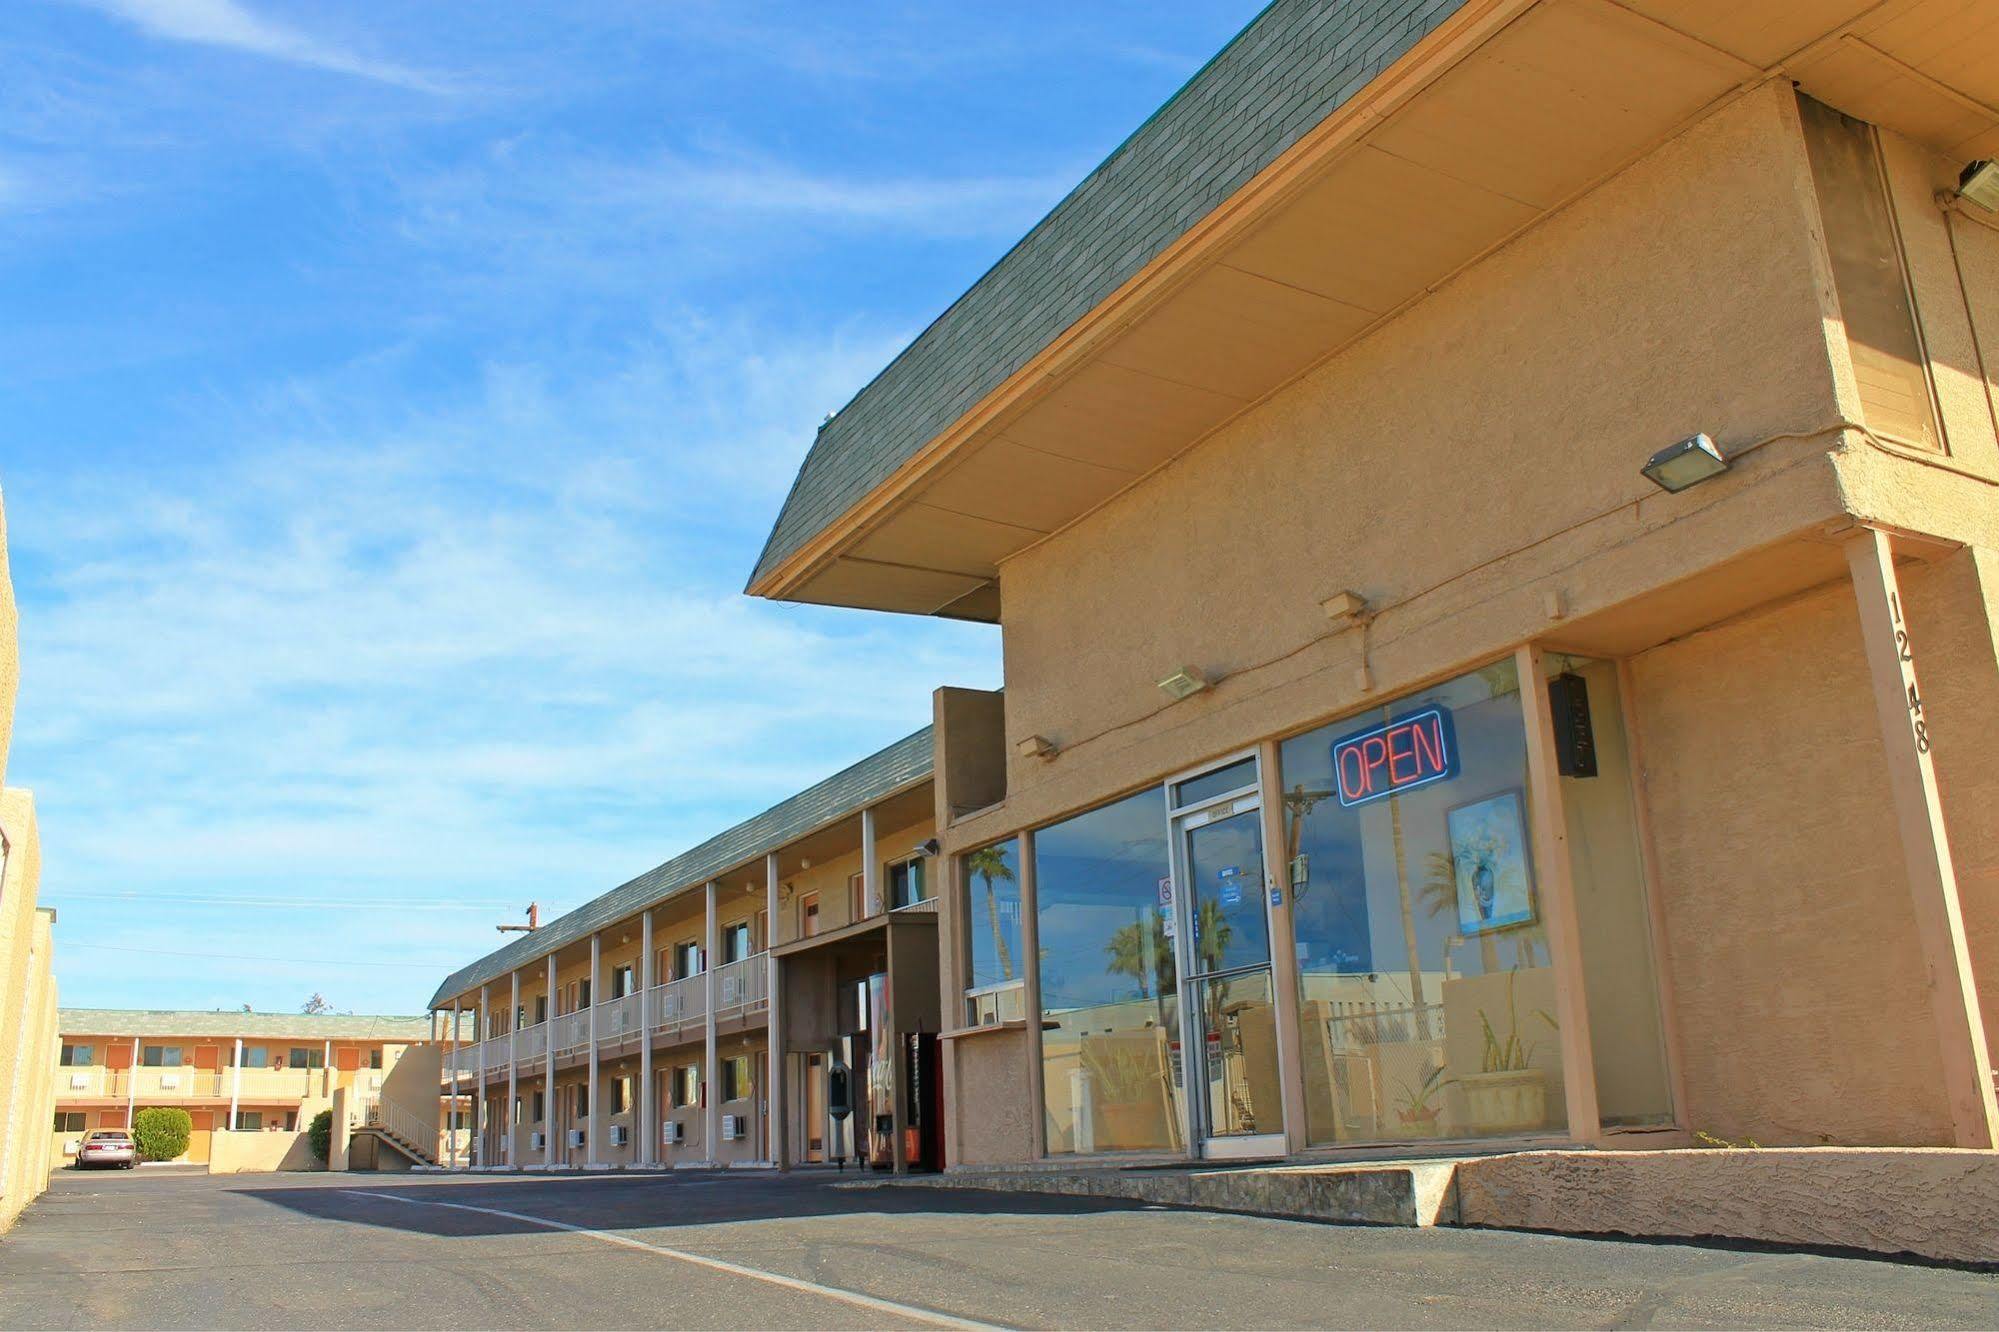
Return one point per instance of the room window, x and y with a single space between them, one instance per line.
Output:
992 918
735 1078
540 1008
623 981
76 1056
69 1121
686 1086
375 1057
254 1056
582 1100
857 897
540 1104
735 941
906 883
686 959
308 1056
160 1056
621 1095
808 915
249 1121
582 994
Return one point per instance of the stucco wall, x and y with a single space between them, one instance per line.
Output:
254 1152
1454 467
989 1116
1800 985
27 1014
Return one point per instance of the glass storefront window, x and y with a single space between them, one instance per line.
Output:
1235 777
1426 989
992 916
1110 1007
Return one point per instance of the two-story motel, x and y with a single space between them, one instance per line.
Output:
639 1030
1493 510
250 1072
1467 490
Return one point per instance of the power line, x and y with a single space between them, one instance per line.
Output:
246 957
294 903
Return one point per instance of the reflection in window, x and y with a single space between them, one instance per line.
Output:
992 916
1109 1001
1426 990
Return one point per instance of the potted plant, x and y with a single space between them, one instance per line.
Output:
1507 1094
1127 1100
1417 1109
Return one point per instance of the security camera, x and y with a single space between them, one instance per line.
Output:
927 848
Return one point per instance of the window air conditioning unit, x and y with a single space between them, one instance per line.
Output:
618 1135
77 1082
169 1081
576 1137
537 1140
732 1127
673 1133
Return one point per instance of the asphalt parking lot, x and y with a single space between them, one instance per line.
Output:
172 1250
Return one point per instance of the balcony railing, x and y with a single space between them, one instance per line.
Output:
572 1030
200 1084
531 1042
618 1018
742 987
679 1003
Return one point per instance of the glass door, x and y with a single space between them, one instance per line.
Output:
1222 925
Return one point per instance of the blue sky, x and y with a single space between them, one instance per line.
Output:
396 397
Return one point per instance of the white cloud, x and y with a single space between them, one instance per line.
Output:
227 24
495 650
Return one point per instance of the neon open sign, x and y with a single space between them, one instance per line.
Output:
1412 750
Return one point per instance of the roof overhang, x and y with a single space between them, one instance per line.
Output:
1500 115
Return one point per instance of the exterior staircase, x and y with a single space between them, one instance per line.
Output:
401 1132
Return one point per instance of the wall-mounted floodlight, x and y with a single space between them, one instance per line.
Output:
1980 184
1689 462
1184 683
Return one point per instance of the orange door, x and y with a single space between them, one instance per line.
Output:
348 1058
118 1054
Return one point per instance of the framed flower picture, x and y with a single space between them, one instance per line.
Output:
1492 863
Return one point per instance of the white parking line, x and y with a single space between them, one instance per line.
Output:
854 1298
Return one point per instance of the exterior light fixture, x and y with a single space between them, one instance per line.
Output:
1980 184
1183 683
1036 747
1689 462
928 847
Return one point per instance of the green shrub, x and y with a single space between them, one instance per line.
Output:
320 1133
162 1132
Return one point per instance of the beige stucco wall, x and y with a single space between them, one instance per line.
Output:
1453 498
1792 948
10 648
232 1153
1476 461
27 1013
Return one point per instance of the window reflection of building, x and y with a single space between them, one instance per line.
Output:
1109 994
1401 1011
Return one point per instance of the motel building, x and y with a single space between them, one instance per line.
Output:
639 1030
1493 512
256 1073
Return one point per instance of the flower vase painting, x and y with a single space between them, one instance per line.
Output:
1489 853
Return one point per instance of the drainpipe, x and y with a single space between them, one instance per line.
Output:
595 1123
236 1086
648 1111
479 1027
513 1065
451 1115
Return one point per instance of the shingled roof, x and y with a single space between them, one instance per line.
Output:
226 1023
906 761
1296 63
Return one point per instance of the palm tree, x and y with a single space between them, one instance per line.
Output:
989 863
1141 949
